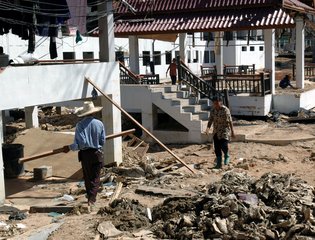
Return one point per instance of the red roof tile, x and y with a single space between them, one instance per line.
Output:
156 6
174 16
201 22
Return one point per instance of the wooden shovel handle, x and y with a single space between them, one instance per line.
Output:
60 150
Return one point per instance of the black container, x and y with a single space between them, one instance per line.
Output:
11 154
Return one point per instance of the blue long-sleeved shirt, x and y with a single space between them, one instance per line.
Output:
89 133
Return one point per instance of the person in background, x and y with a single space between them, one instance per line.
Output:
173 71
221 119
286 82
89 140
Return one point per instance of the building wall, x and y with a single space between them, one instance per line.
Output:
199 52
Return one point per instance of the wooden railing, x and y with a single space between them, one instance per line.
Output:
208 71
126 76
149 79
309 71
198 84
239 69
259 84
228 69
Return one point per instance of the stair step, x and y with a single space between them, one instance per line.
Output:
169 89
192 108
205 101
182 101
177 94
200 116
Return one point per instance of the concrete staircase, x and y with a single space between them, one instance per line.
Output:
186 109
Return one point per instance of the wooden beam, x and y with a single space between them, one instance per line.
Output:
139 125
60 150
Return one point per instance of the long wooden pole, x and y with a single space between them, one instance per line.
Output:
60 150
138 124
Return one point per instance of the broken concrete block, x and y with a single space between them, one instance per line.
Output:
42 172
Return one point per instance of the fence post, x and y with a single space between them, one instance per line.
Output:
213 81
293 71
226 98
179 72
262 82
254 70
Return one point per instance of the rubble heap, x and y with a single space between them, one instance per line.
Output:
238 207
126 215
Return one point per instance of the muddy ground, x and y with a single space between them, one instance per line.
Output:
254 197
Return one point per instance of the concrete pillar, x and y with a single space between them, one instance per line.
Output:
111 117
2 187
182 46
31 117
269 36
134 54
106 32
299 52
218 42
110 114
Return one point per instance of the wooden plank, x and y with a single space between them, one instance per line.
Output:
116 193
60 150
48 209
163 192
301 119
139 125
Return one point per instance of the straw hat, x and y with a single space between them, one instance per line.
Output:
87 109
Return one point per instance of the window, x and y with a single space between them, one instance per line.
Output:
157 58
176 54
242 35
68 55
196 57
244 49
206 56
119 56
252 48
168 57
88 55
212 56
189 56
228 36
261 48
146 58
207 36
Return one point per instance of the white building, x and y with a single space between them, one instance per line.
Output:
200 50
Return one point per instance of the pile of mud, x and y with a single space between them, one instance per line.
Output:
126 215
238 207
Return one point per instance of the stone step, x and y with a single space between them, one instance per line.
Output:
169 89
181 101
200 116
176 94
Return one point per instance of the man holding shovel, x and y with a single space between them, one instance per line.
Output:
221 119
89 140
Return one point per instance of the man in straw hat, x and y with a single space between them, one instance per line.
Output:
89 140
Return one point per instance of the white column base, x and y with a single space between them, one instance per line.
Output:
111 117
31 117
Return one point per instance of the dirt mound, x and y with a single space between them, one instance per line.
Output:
126 215
273 207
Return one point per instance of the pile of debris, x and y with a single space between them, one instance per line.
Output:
126 215
238 207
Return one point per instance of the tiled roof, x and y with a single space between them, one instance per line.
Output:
155 6
174 16
201 22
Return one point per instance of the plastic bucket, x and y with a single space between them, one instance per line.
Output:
11 154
